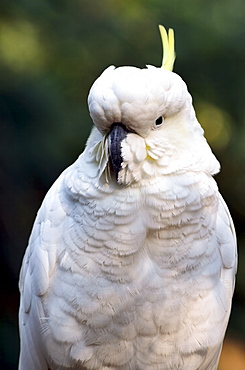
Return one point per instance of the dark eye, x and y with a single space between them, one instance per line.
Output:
159 121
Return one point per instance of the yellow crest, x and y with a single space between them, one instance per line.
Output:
168 48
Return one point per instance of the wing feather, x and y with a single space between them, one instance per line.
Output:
38 264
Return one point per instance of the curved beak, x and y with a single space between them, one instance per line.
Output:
117 134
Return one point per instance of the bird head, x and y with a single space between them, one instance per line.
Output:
146 124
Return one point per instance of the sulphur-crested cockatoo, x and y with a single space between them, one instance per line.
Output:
132 257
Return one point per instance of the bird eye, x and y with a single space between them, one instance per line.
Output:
158 122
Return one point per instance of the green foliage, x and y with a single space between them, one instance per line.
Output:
51 51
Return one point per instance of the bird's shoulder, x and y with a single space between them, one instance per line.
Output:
226 237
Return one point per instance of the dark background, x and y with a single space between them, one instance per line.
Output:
50 54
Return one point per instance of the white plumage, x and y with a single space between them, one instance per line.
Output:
132 257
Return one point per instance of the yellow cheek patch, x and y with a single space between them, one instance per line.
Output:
150 155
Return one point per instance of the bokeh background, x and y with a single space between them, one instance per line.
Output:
51 51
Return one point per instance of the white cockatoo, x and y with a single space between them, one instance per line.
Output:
132 257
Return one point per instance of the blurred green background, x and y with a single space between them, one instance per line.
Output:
50 54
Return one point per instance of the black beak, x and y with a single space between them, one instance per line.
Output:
117 134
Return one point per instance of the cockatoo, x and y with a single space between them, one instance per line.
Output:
132 257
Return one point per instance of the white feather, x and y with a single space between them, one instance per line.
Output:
136 273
